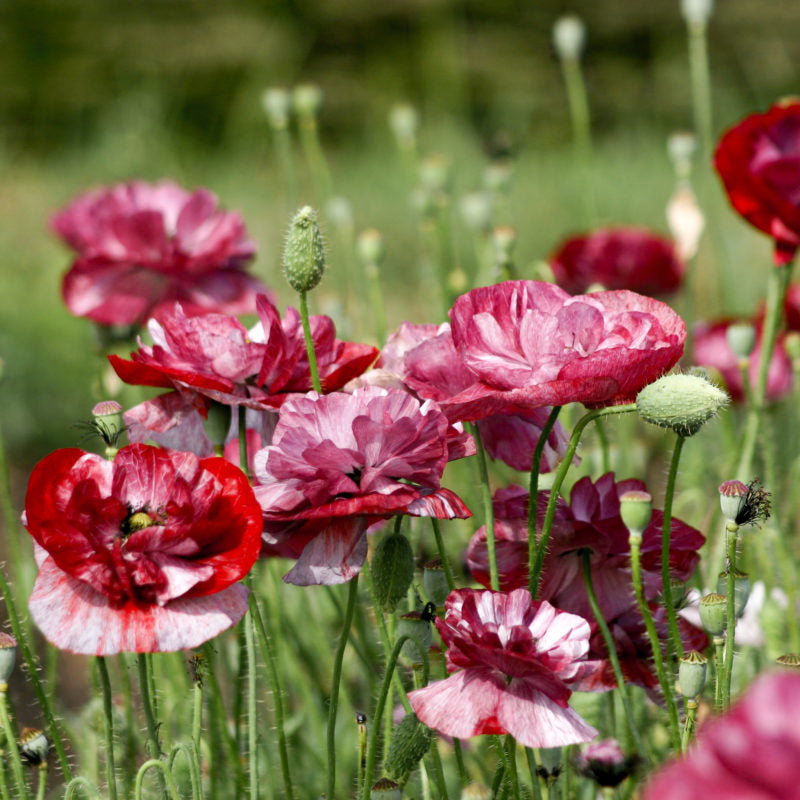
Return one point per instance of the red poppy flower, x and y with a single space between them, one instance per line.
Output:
791 307
618 258
591 521
758 161
750 753
340 462
141 554
140 245
531 344
514 662
710 348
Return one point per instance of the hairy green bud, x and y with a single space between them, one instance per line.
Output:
410 742
392 570
304 253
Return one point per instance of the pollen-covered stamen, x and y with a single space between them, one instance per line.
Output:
136 521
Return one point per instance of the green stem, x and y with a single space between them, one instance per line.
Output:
197 714
612 652
165 776
312 356
41 779
533 490
688 726
3 782
83 783
667 686
147 705
335 681
532 768
719 662
11 741
108 727
674 643
252 713
511 754
604 446
732 537
561 474
488 510
189 751
448 572
701 85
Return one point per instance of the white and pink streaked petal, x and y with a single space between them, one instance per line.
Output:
75 617
441 504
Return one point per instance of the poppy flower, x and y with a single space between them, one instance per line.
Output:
710 348
750 753
531 344
758 161
141 554
514 662
341 462
618 258
591 521
141 245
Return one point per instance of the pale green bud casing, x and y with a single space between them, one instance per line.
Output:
692 673
307 100
697 12
636 509
713 613
404 122
683 403
304 253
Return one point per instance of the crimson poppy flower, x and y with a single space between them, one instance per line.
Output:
140 245
141 554
710 348
750 753
591 521
618 258
531 344
758 161
514 662
340 462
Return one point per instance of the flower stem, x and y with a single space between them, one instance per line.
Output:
719 663
488 510
667 686
732 537
688 726
674 643
335 681
533 492
312 356
41 779
701 84
448 572
145 673
194 766
79 781
612 652
108 727
561 474
166 778
252 713
11 740
511 755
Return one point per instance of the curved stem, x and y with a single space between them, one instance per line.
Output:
335 681
11 740
488 510
674 643
166 776
312 356
194 766
108 727
80 781
561 474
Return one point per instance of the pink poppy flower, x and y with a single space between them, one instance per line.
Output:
514 662
141 245
591 521
339 463
141 554
618 258
750 753
758 161
531 344
710 348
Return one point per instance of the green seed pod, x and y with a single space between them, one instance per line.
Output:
435 582
741 589
304 252
385 789
33 746
713 613
636 508
789 661
410 742
683 403
692 674
8 656
416 625
392 570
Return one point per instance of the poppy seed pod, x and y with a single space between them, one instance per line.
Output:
741 337
636 509
435 581
33 746
692 674
788 660
304 253
276 104
741 590
307 100
8 656
385 789
713 613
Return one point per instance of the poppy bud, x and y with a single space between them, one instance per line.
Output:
604 762
790 660
692 674
435 581
683 403
713 613
681 147
697 12
304 252
392 570
410 741
741 589
476 211
385 789
685 220
569 37
276 104
435 173
8 656
339 210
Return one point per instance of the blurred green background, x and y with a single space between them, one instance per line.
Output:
95 91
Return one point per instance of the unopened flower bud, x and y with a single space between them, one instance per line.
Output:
307 100
569 37
304 253
8 656
435 581
789 660
410 741
697 12
385 789
636 509
692 672
741 590
686 221
713 613
404 122
476 791
33 746
417 625
276 104
683 403
371 247
392 570
476 211
217 423
741 338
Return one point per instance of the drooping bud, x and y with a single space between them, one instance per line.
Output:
392 570
741 590
435 581
683 403
636 509
33 746
304 254
713 613
276 104
8 656
569 37
744 504
307 100
604 762
741 338
417 625
692 673
410 741
385 789
789 660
